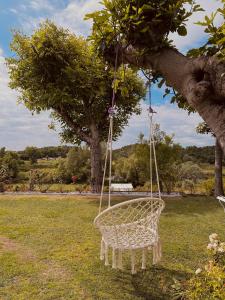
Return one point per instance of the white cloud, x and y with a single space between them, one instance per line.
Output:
172 120
72 16
39 5
18 128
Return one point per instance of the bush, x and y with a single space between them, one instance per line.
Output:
208 186
188 185
208 282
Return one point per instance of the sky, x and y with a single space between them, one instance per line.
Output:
19 128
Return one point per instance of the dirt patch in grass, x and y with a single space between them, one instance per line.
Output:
53 270
8 245
49 269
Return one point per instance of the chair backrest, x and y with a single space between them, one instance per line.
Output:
130 212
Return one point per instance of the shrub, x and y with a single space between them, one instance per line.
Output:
188 185
208 282
208 186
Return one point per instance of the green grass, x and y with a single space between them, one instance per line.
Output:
49 249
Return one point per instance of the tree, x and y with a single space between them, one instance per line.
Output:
140 30
141 138
78 163
10 163
190 171
32 154
2 152
219 190
55 70
136 169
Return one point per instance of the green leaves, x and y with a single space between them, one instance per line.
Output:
141 23
182 30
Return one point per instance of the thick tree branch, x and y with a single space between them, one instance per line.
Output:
201 81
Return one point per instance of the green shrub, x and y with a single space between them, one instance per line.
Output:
208 186
208 282
188 185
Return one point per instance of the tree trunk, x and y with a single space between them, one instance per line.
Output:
218 170
96 161
200 81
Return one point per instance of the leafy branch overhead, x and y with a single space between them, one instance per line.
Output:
143 24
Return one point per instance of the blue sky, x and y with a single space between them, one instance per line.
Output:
18 128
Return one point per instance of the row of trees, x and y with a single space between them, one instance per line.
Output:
33 153
130 164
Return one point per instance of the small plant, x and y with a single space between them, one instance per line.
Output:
208 283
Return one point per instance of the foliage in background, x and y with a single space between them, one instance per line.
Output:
77 164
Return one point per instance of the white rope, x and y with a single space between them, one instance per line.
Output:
150 153
152 149
154 154
102 252
110 159
104 173
120 260
106 255
144 257
114 258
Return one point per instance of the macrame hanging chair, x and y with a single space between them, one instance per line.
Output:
221 201
131 225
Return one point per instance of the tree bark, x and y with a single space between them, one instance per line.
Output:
218 170
96 161
201 81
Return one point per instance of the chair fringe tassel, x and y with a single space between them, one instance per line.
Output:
157 252
117 256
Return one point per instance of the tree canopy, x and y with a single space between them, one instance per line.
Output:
55 70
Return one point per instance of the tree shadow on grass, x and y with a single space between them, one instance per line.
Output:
156 283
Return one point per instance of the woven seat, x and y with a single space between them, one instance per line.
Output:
131 225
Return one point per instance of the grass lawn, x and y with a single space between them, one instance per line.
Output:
49 249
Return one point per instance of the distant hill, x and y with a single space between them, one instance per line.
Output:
199 154
193 153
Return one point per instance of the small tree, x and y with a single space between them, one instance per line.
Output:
78 163
219 190
10 162
32 154
141 138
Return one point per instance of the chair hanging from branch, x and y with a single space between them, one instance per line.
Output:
131 225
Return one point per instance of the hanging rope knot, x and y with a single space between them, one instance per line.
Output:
151 111
112 111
